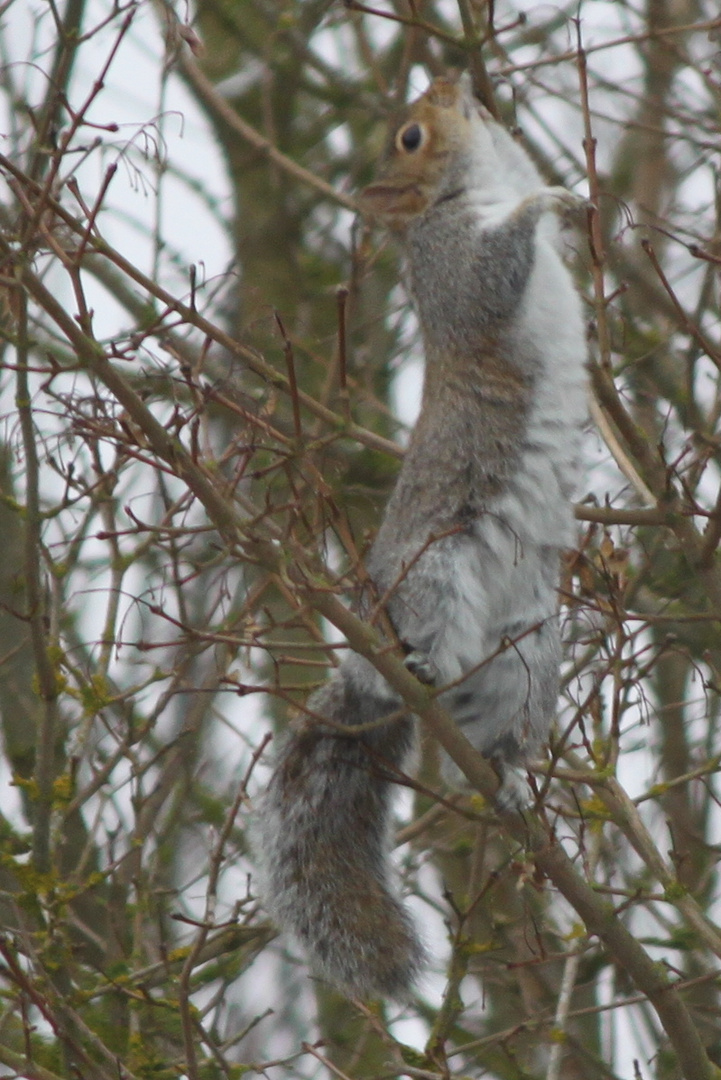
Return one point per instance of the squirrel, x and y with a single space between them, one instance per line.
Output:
467 557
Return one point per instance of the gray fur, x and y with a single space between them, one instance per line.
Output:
488 474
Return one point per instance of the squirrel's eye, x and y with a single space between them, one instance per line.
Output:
409 137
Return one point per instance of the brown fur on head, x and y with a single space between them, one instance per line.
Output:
427 133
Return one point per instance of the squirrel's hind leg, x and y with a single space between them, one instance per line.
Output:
514 792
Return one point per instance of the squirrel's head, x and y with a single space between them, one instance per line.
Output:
427 153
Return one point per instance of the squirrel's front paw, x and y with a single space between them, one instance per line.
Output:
560 200
421 665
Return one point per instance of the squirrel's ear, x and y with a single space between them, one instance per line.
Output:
443 92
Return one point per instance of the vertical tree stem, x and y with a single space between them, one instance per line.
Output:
36 612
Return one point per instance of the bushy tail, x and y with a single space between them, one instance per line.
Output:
324 843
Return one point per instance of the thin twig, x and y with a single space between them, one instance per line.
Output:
341 295
688 324
292 382
192 317
568 981
193 957
413 22
217 105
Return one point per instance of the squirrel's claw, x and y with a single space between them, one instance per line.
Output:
421 665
